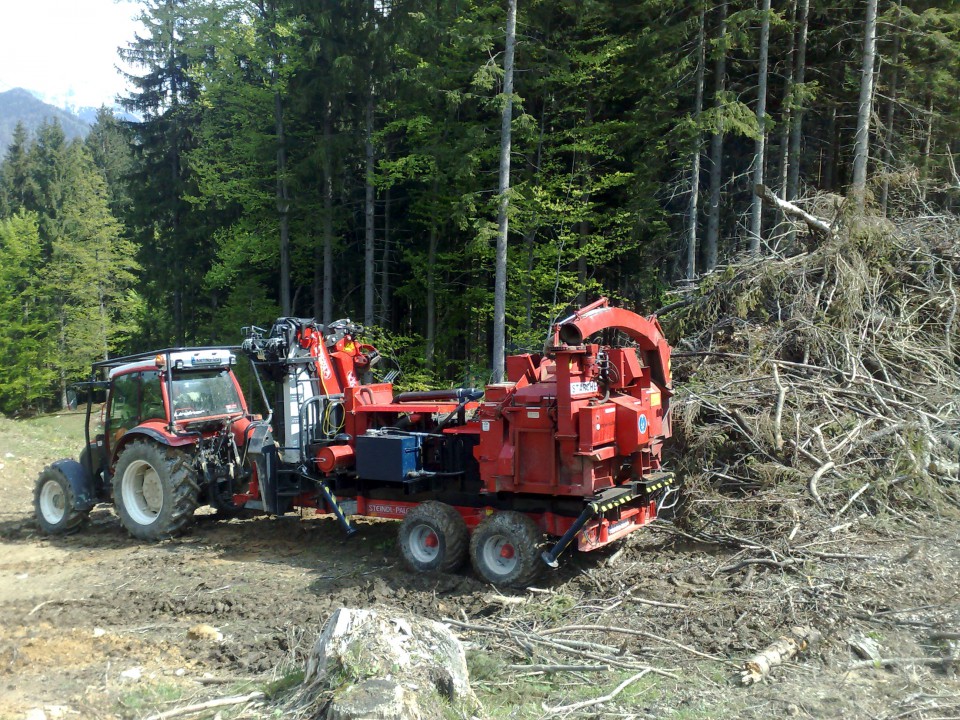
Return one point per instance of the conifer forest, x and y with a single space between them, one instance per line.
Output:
400 161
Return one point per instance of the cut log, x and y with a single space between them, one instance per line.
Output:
756 668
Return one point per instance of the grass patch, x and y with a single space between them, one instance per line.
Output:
147 697
482 665
283 683
45 438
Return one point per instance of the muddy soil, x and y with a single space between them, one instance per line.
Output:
99 625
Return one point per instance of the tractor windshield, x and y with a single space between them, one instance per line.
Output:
204 393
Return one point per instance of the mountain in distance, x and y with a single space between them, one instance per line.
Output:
89 115
19 105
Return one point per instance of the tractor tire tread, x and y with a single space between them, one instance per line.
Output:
177 473
525 536
73 519
448 524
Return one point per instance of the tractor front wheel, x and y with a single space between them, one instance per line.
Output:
505 549
155 490
53 504
433 538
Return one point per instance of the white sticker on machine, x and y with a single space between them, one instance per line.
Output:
581 388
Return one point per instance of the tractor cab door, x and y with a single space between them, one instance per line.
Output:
134 398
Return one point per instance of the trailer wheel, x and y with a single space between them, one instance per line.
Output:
155 490
434 538
53 504
505 549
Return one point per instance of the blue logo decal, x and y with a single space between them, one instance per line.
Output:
642 424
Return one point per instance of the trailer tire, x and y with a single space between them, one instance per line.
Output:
53 503
505 549
155 490
434 538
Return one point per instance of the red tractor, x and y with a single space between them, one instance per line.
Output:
568 448
168 439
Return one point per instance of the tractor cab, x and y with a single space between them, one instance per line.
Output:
170 395
169 438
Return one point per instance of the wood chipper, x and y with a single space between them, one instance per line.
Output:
567 449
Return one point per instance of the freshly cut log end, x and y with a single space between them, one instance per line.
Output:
757 667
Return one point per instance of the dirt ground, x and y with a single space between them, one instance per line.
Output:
97 625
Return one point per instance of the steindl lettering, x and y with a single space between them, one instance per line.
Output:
388 509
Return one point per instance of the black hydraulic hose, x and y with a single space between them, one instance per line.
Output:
462 394
263 393
86 429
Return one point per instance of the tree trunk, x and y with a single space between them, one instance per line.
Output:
327 213
787 113
369 207
529 238
927 148
891 113
796 121
500 276
695 164
431 339
831 158
283 207
759 155
583 227
716 147
385 264
861 144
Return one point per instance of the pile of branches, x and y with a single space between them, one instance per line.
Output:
821 385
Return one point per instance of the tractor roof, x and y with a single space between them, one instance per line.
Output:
196 358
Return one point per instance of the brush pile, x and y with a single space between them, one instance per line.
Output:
819 386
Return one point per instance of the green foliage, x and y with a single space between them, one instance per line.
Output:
603 128
26 337
67 296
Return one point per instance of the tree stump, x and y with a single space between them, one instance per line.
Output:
387 663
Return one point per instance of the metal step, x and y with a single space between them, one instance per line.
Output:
655 482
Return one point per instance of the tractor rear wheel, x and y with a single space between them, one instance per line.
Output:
433 538
155 490
505 549
53 504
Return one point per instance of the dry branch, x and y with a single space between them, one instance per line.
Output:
881 662
596 701
631 631
815 478
208 705
604 655
791 210
558 668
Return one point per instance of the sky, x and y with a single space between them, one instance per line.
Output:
65 51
